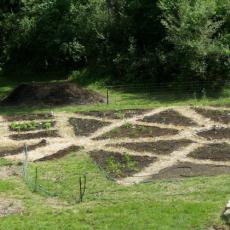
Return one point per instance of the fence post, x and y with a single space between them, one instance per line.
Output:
107 96
82 188
36 180
25 163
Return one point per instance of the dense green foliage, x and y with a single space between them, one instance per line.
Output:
133 41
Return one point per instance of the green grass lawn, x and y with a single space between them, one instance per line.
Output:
186 204
121 99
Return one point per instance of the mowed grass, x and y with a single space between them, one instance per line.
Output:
188 204
122 99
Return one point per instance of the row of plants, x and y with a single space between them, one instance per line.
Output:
31 125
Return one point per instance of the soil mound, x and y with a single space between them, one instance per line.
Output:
51 94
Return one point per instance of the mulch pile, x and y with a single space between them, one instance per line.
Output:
51 94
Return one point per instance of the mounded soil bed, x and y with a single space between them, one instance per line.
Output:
41 134
169 117
216 133
115 114
187 169
30 117
215 152
118 165
215 115
32 127
14 151
60 153
137 131
86 127
51 94
158 147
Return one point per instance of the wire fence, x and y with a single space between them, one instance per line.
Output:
86 186
149 92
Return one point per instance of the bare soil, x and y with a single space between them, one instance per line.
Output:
117 165
115 114
215 152
186 169
14 151
9 171
136 131
215 133
86 127
41 134
169 117
61 153
51 94
29 117
10 206
215 115
159 147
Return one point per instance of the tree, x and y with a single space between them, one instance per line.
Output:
196 50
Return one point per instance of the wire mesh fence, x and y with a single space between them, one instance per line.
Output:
149 92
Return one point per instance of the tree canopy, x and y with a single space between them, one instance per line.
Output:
135 41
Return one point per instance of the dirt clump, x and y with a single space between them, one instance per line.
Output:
51 94
169 117
117 165
187 169
159 147
215 152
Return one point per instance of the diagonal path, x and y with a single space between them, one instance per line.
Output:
68 138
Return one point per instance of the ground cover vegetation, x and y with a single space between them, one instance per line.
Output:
170 42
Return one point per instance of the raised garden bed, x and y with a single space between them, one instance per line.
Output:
137 131
215 133
30 117
14 151
60 153
31 125
169 117
117 165
86 127
187 169
158 147
41 134
215 152
215 115
115 114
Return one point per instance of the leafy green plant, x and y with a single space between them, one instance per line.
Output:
113 166
32 125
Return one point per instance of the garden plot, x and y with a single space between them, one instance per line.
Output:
131 146
169 117
163 147
115 114
135 131
215 133
85 127
119 165
215 115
